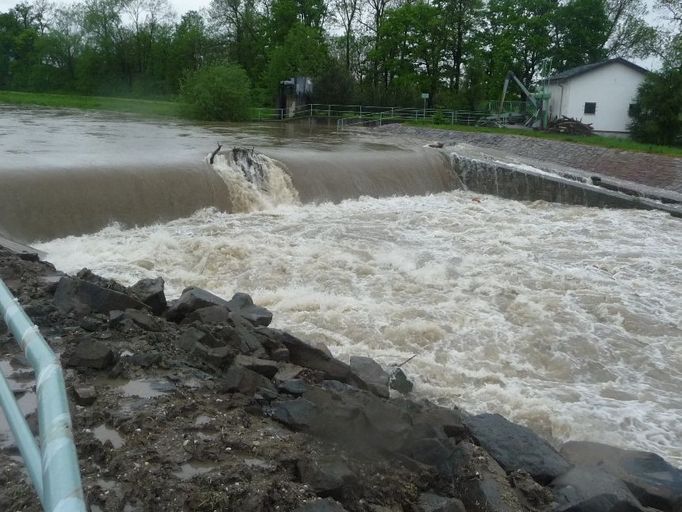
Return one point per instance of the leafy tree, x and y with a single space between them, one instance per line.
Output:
581 29
658 117
219 92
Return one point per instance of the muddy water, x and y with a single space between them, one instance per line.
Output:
563 318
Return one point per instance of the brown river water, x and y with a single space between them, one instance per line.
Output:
564 318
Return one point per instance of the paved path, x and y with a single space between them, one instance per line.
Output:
647 169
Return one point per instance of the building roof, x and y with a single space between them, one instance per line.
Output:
580 70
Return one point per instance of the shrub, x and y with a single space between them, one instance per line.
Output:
657 116
220 92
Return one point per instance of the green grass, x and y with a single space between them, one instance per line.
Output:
131 105
588 140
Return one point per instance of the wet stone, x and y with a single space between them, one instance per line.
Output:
82 296
370 374
263 366
192 299
297 414
210 315
400 382
429 502
91 354
243 380
85 395
293 386
328 477
517 447
151 293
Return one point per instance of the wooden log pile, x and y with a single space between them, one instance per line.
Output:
569 126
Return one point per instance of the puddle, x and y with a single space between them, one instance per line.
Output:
202 420
26 399
103 434
191 469
147 388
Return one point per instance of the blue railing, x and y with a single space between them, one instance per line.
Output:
52 466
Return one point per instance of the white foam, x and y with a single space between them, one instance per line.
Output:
560 317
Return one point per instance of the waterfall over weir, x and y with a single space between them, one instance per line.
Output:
50 202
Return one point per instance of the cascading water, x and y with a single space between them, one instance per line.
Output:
254 181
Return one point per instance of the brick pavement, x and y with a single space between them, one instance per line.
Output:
657 171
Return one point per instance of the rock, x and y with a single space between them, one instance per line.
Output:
434 421
205 346
210 315
432 452
242 304
144 320
84 395
192 299
243 380
91 354
90 324
429 502
263 366
145 360
151 293
651 479
481 483
589 489
370 374
328 477
535 496
287 372
248 340
516 447
297 414
325 505
293 386
84 297
309 356
400 382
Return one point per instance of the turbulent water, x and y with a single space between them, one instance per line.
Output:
564 318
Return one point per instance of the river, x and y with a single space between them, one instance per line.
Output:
563 318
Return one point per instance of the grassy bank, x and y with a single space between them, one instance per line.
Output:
131 105
589 140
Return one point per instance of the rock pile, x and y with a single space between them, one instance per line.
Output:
209 408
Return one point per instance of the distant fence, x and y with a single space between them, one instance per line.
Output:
364 115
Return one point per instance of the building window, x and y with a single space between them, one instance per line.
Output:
632 109
590 107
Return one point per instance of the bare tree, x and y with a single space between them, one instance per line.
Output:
345 12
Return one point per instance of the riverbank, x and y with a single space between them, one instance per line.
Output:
102 103
213 410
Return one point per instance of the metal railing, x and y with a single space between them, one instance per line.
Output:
357 115
52 466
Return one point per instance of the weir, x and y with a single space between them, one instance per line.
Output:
46 202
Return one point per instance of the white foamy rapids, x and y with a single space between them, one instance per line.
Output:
254 181
564 318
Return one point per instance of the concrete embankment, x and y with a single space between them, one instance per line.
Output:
493 172
214 410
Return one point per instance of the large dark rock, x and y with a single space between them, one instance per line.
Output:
370 375
192 299
429 502
651 479
242 304
309 356
83 297
516 447
322 505
90 353
244 381
263 366
249 341
433 452
481 483
210 315
150 292
589 489
205 346
400 382
327 476
299 414
144 320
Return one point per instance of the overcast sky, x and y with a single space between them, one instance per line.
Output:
180 6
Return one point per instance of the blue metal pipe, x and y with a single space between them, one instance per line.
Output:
61 482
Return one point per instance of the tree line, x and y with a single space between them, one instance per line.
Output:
380 52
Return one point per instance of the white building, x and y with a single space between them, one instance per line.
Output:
601 93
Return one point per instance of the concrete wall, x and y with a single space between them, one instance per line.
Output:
612 87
